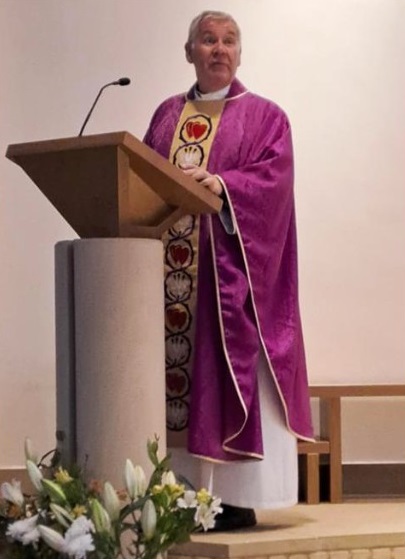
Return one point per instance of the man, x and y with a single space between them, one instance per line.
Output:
236 372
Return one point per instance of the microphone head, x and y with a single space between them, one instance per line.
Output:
123 81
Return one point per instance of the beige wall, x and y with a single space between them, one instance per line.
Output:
334 65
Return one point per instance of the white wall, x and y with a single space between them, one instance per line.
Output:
335 66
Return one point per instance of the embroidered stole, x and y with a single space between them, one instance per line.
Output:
191 144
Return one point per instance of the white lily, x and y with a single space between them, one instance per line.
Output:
25 531
52 538
111 501
168 478
12 492
204 516
78 539
29 450
148 519
135 480
35 475
206 513
188 500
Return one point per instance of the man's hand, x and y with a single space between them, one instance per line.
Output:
203 177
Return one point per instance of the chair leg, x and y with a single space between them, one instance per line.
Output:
312 478
331 429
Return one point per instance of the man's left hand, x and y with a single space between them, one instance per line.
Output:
204 177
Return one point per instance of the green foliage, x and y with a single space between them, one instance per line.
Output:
43 525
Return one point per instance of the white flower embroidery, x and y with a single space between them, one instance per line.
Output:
178 286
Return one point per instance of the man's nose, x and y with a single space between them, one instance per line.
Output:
220 47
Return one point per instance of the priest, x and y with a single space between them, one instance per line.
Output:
236 376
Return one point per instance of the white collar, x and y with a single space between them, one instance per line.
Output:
212 96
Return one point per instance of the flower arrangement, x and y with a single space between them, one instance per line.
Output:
67 517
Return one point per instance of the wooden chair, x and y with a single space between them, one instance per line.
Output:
330 441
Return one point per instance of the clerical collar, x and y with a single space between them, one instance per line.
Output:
212 96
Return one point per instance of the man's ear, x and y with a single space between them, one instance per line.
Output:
188 49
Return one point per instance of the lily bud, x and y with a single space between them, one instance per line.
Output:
148 519
54 491
135 480
101 520
61 515
111 501
168 478
12 492
52 538
35 475
29 451
152 447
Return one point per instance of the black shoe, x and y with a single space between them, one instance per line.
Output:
233 518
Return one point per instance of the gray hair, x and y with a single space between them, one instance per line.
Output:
212 14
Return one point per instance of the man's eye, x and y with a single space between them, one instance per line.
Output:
209 40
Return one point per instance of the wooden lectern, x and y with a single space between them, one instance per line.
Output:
112 185
119 196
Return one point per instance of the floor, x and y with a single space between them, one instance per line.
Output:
351 530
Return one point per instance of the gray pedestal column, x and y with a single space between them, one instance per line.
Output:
110 352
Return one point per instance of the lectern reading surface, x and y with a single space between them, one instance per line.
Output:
112 185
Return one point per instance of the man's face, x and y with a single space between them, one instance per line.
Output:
215 54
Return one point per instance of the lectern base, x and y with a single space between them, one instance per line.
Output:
110 353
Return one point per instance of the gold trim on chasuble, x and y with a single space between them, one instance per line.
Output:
191 144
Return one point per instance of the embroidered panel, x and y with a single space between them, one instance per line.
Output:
191 145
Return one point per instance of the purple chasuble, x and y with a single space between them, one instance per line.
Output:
247 282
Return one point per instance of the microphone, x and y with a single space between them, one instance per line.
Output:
121 81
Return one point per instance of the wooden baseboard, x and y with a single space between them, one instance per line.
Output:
374 479
363 481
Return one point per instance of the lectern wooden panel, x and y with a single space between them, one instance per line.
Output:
112 185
